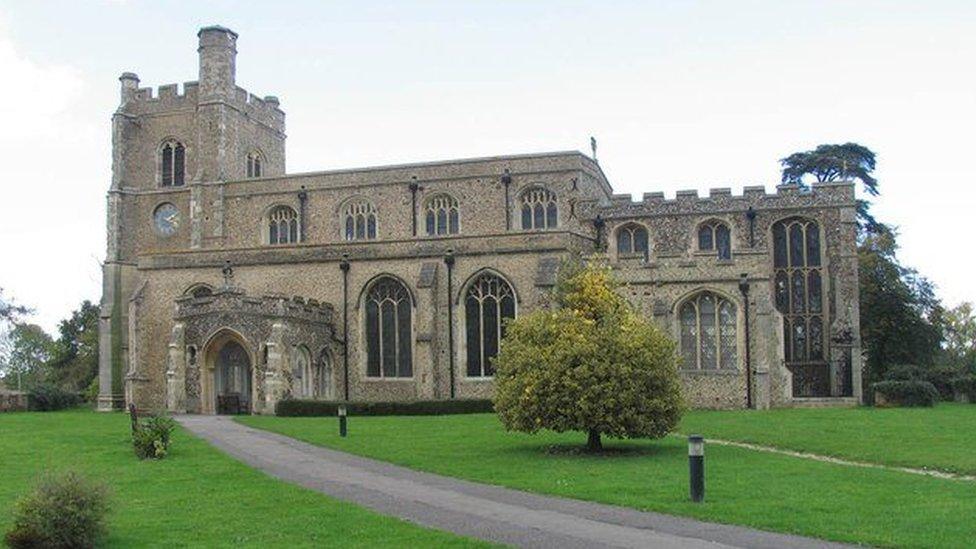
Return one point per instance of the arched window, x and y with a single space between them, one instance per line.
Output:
714 236
442 215
632 240
302 378
708 332
798 288
282 225
539 211
253 167
388 329
172 164
359 220
487 303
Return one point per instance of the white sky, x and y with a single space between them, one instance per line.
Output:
679 95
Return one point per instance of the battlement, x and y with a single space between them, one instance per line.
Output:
274 305
840 193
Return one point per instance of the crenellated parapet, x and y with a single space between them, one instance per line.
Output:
234 300
722 200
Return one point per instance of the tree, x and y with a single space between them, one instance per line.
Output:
900 315
74 360
960 336
29 348
849 161
590 365
10 313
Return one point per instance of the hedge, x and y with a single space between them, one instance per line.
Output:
965 385
940 377
296 408
905 393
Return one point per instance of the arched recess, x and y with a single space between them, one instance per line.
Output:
302 376
488 299
199 290
324 382
708 326
227 370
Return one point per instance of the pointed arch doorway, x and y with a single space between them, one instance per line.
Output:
227 383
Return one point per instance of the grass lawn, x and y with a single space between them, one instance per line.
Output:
943 437
762 490
197 496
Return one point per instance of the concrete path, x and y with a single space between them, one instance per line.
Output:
470 509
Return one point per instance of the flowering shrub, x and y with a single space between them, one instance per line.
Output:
151 438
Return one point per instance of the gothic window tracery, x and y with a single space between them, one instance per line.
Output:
798 288
442 215
488 301
359 220
172 164
715 236
389 351
632 240
708 324
283 225
539 209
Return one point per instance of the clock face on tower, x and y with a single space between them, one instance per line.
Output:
166 219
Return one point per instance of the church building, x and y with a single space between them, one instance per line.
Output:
230 284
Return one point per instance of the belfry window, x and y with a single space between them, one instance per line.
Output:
388 330
539 210
253 167
442 215
632 240
708 332
715 236
172 164
359 220
487 303
282 225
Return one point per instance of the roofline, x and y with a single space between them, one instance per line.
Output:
435 163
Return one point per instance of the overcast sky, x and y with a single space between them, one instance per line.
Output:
680 95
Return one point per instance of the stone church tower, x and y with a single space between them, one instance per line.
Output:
209 128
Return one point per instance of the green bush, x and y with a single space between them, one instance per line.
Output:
295 408
45 397
63 511
594 366
940 377
151 438
965 385
905 393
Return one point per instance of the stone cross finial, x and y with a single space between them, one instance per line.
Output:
228 273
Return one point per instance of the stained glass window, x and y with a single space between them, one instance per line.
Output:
708 324
360 220
442 215
282 225
799 288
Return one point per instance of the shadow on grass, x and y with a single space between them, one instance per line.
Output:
611 450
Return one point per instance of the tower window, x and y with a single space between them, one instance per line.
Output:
172 164
254 168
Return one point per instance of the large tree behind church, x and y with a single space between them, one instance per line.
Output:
592 364
900 314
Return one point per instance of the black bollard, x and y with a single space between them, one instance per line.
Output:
342 420
696 467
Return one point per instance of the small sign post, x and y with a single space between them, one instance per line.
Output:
696 467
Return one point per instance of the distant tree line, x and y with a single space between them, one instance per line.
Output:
29 356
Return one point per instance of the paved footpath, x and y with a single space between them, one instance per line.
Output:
470 509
